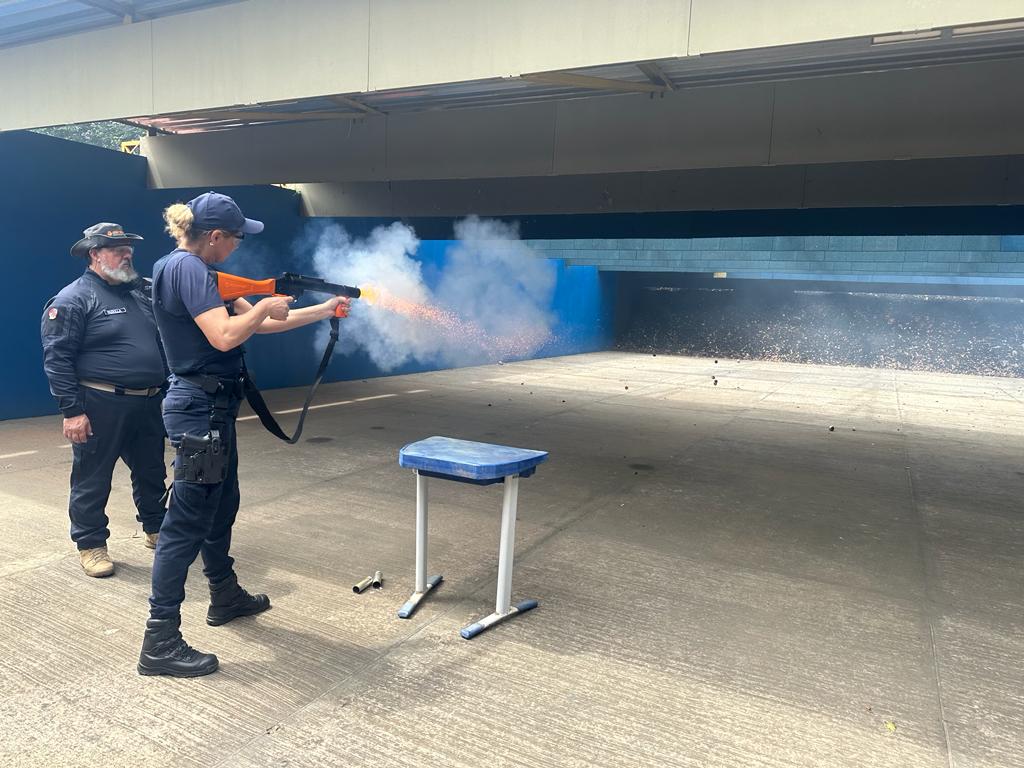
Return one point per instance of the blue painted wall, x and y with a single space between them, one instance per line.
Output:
53 189
966 245
941 220
933 259
582 305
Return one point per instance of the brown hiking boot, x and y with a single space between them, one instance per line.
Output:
96 562
151 540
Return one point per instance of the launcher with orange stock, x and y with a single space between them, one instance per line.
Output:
288 284
291 284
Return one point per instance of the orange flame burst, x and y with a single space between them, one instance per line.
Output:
369 293
466 333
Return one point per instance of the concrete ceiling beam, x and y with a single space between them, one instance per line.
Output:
595 83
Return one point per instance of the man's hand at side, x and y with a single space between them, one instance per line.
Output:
77 429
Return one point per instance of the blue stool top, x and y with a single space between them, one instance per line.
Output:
467 460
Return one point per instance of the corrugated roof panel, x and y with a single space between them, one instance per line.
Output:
29 21
39 18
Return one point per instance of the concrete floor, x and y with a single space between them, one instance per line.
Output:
723 581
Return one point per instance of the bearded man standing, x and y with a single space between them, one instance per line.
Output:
102 356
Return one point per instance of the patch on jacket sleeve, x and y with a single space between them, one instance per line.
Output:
55 320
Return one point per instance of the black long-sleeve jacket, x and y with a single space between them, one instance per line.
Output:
96 331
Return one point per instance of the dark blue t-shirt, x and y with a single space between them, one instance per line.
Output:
95 331
184 287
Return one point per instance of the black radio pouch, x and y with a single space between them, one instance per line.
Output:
201 459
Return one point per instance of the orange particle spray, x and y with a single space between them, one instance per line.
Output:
450 325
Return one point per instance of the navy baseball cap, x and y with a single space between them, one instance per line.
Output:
212 210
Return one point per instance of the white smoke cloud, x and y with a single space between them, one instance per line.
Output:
495 279
490 301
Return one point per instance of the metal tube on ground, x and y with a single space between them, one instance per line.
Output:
362 585
378 580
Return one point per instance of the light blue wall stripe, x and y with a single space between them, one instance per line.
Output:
939 259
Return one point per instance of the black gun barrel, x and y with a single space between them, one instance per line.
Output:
293 284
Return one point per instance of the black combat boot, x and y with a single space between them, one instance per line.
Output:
165 652
229 601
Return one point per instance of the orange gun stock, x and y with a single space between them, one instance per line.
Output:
233 287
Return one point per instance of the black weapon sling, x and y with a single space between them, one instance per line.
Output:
256 402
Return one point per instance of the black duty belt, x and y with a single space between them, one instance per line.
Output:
244 384
214 385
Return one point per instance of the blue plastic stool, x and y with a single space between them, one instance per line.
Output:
478 464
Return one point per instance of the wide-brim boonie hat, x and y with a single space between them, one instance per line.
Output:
103 235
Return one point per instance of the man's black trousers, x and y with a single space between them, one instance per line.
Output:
129 427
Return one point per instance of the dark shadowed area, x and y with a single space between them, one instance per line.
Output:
982 335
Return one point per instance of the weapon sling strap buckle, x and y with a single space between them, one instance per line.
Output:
259 406
215 386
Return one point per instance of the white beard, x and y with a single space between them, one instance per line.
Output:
119 275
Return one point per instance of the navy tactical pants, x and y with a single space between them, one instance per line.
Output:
200 516
128 427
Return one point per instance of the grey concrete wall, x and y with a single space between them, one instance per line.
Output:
946 111
731 26
954 181
265 50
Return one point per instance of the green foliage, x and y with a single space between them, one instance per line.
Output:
106 134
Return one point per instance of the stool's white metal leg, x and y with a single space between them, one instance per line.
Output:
423 584
507 545
503 608
421 532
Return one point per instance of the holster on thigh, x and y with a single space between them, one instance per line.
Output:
201 459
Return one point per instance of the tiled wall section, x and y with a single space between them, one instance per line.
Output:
903 258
